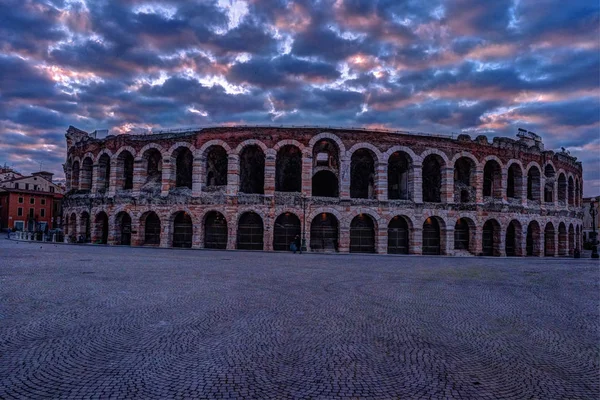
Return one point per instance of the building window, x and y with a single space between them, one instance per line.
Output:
16 185
32 200
51 189
20 211
43 202
31 212
43 212
21 200
27 186
19 225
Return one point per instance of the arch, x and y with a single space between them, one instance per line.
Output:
549 233
375 152
325 184
533 183
86 173
324 232
490 238
101 228
432 178
288 169
399 229
251 142
489 158
122 149
286 228
289 142
362 234
571 190
571 239
432 236
183 229
326 155
326 135
549 178
464 235
85 234
400 176
123 228
103 152
562 189
532 246
512 241
250 232
464 180
103 173
150 225
252 169
154 146
492 178
183 158
124 171
215 230
214 142
152 165
563 244
363 174
414 158
437 152
514 180
216 166
75 171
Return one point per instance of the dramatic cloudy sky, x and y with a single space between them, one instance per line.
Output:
480 67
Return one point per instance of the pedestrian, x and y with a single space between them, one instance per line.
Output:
293 246
297 244
8 233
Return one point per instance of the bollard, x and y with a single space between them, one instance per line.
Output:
54 237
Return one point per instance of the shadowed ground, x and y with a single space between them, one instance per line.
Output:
100 322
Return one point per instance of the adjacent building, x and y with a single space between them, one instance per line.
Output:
30 203
588 222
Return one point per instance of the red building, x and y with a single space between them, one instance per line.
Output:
31 203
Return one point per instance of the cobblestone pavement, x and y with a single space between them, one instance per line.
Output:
111 322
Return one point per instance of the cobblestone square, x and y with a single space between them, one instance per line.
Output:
116 322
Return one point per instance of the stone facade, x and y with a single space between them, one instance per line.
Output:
377 191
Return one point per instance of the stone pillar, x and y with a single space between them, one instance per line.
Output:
233 176
523 242
167 171
197 176
449 242
344 178
232 235
417 186
268 234
447 193
478 186
112 186
381 237
95 171
382 181
307 165
270 165
556 235
502 241
137 238
504 184
138 175
416 242
165 231
478 239
344 239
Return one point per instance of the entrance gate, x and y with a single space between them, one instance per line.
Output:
215 231
250 232
362 235
287 226
398 236
183 230
324 233
152 232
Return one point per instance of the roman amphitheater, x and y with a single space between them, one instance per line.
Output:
342 190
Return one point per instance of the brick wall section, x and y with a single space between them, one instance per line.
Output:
166 201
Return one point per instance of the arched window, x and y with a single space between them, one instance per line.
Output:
184 167
533 184
288 169
101 228
123 231
86 174
432 178
514 182
250 232
562 240
325 172
490 240
125 170
549 240
85 228
151 229
549 183
362 234
215 231
324 233
287 227
75 176
562 189
103 173
399 176
252 170
464 182
362 175
216 167
462 235
431 237
398 236
183 230
571 239
152 160
533 239
325 184
512 242
492 180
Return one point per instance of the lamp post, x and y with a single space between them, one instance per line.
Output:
593 214
303 245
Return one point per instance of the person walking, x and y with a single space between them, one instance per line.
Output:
297 245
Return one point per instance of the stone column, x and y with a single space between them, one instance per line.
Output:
233 176
416 242
478 239
165 230
382 181
504 184
417 186
95 171
502 242
232 235
381 238
268 234
270 165
449 242
138 175
307 164
344 239
167 171
197 176
447 194
479 186
344 178
112 188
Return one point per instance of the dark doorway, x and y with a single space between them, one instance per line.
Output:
250 232
102 227
324 233
287 226
398 176
362 175
288 170
462 235
362 234
216 167
215 231
432 179
325 184
549 240
489 238
184 165
398 236
532 241
431 237
124 223
252 170
511 240
152 229
183 230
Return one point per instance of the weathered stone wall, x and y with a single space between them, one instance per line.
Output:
158 193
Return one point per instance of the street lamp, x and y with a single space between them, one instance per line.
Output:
593 214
